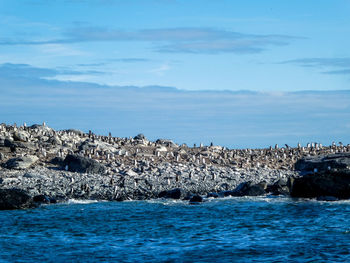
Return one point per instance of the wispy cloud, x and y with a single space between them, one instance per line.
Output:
59 50
161 69
130 60
179 40
324 63
28 71
231 118
338 72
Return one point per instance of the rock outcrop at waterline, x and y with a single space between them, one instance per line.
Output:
15 199
325 177
58 165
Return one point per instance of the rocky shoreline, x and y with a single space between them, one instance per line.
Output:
41 165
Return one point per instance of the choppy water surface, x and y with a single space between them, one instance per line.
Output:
226 230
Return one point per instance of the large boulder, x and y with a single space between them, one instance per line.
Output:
140 137
280 187
8 142
54 140
196 199
15 199
335 184
89 144
19 163
176 193
20 136
81 164
250 189
322 163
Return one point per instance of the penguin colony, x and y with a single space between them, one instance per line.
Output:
136 168
46 143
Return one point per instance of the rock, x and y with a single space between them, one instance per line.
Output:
89 144
167 143
323 163
8 142
2 141
40 128
57 161
196 199
176 193
75 131
227 193
335 184
161 149
188 196
54 140
129 172
280 187
21 136
2 156
81 164
21 162
43 199
17 144
327 198
15 199
140 137
250 189
213 195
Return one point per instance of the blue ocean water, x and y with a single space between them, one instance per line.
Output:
226 230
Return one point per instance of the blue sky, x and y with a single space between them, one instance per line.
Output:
57 49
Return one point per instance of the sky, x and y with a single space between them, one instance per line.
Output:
236 73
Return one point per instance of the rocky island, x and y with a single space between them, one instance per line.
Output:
41 165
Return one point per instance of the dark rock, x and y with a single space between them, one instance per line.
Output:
176 193
53 200
322 163
17 144
140 137
85 145
250 189
213 195
36 126
196 199
21 162
54 140
335 184
57 161
280 187
226 193
15 199
43 199
188 196
327 198
83 165
8 142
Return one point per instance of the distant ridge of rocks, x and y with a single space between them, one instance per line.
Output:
52 165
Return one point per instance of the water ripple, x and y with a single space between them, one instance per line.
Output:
226 230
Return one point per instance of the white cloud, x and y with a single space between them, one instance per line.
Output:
160 71
59 50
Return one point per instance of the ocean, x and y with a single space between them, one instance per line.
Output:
246 229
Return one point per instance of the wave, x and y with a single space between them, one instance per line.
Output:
77 201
